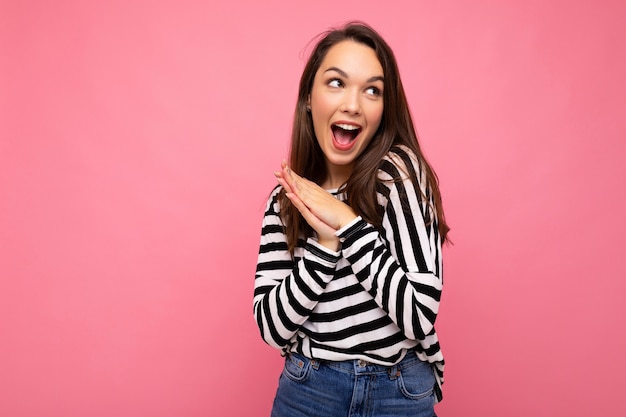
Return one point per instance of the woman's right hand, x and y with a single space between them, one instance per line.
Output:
325 232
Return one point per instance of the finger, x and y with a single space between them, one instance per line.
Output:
291 177
284 184
319 202
310 218
315 222
288 176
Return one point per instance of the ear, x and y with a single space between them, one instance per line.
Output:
308 103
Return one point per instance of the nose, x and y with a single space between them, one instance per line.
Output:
351 103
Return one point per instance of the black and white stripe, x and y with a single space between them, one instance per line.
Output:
376 298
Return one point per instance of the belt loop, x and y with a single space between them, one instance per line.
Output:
393 372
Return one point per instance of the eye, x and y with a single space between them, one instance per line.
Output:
334 82
373 91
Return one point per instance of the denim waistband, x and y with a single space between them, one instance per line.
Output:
361 366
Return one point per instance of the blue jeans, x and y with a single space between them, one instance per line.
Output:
355 388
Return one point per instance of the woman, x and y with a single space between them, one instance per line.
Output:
349 278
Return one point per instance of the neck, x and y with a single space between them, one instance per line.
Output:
336 176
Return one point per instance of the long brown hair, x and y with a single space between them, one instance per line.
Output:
396 128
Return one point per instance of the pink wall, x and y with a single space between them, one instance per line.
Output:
137 144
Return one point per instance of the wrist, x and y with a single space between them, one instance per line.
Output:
330 243
356 224
347 219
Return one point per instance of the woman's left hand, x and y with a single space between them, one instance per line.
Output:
318 201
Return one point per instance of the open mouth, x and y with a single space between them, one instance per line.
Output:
344 134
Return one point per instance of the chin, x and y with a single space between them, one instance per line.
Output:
341 161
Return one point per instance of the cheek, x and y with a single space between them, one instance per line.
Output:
321 105
320 114
375 117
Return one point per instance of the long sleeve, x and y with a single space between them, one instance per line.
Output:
377 298
401 265
287 290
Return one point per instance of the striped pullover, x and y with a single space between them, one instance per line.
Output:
376 298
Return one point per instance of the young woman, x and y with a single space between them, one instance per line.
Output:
349 273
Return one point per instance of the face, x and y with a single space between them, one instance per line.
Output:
346 103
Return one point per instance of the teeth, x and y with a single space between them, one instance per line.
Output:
346 127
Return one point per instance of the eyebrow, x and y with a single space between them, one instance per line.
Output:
345 75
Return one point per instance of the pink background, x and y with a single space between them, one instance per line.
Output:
138 141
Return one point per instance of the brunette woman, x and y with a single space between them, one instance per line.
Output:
349 273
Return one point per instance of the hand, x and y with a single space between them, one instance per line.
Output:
321 210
